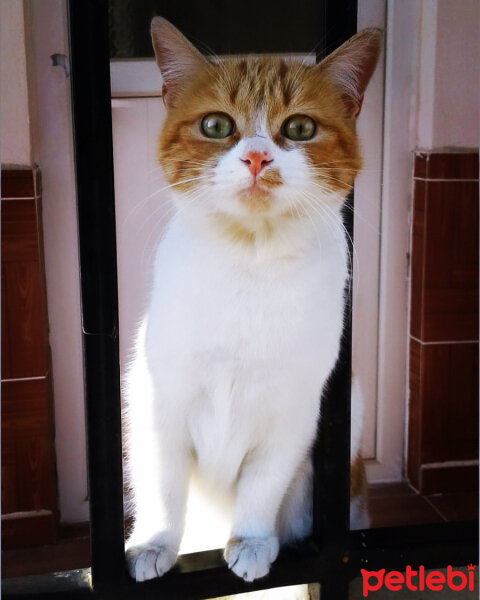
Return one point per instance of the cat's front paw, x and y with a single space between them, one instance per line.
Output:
250 558
147 561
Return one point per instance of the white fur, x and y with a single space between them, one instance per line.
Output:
229 366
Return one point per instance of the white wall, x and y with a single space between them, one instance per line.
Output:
449 74
14 114
52 149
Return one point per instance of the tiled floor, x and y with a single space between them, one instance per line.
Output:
72 551
396 504
392 504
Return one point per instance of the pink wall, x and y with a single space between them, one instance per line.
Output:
14 114
449 74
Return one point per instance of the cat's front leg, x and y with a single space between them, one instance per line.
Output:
160 491
264 480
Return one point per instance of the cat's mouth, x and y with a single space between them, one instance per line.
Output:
259 192
258 188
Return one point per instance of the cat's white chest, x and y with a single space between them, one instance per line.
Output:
239 342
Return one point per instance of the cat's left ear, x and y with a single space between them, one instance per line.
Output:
352 64
177 59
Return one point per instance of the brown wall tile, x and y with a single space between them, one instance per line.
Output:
26 346
453 165
24 340
442 480
17 183
28 457
417 259
4 326
443 401
443 410
414 414
27 448
444 272
446 165
450 296
19 230
449 402
420 166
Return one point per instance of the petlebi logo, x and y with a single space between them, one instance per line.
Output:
418 580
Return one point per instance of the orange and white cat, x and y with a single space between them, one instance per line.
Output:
246 308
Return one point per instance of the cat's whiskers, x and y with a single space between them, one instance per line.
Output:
326 220
339 168
167 187
205 163
347 205
309 217
358 215
145 200
162 222
166 215
354 265
312 204
163 177
171 210
335 169
321 207
163 174
162 171
332 178
319 44
324 173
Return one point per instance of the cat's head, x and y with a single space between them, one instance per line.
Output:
261 135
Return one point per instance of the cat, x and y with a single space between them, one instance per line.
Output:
246 308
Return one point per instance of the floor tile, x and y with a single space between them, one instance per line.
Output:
407 509
396 488
456 507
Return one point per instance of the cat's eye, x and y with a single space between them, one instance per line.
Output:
299 128
217 125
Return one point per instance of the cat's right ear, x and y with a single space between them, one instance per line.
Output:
351 66
176 58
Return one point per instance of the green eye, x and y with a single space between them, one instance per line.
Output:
299 128
217 125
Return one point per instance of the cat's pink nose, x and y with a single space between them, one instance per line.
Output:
256 161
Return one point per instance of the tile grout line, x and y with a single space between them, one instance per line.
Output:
11 198
437 510
442 343
467 180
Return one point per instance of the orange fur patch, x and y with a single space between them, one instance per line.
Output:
240 232
270 178
358 478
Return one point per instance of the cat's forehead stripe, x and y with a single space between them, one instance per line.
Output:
256 81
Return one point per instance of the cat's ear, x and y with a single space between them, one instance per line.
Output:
352 64
176 58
